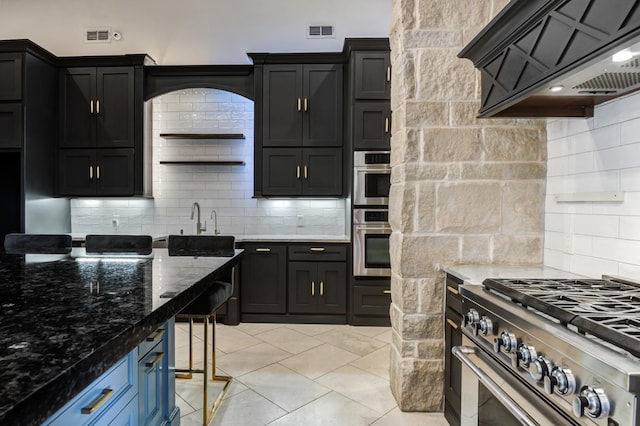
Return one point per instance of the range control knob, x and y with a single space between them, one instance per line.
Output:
486 325
540 367
591 401
524 356
507 341
560 381
472 317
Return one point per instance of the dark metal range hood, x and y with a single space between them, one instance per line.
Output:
554 58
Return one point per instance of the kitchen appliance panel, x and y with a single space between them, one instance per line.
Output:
371 178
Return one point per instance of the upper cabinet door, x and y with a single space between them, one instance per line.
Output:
282 106
322 105
97 108
373 75
77 108
114 107
11 72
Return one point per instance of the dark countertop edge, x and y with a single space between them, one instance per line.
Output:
76 378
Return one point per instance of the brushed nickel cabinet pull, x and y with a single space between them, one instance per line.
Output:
386 292
321 288
313 288
91 106
317 249
263 250
297 172
452 290
452 324
389 73
97 107
299 104
306 173
155 360
90 172
98 172
386 125
97 402
158 334
306 104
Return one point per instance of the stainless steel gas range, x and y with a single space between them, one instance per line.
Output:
550 352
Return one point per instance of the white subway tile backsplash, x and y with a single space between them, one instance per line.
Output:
595 155
228 189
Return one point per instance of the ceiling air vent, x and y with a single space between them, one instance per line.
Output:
320 31
97 35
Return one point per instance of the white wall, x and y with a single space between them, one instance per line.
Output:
192 31
227 189
595 155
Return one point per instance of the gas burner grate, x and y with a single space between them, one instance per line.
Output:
607 309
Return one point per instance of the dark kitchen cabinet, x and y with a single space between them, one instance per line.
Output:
89 172
372 75
372 125
10 125
263 278
97 107
101 108
306 172
452 337
317 279
369 89
302 105
11 72
299 111
317 287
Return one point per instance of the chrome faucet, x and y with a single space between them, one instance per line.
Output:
199 227
214 216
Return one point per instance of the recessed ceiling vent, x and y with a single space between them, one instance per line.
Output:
97 35
320 31
611 81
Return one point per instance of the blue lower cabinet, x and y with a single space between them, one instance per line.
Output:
104 399
138 390
152 386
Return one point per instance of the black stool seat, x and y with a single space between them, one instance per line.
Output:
210 300
37 243
129 244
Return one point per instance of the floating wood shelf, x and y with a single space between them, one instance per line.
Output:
204 163
202 135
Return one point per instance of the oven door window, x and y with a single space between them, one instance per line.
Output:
376 252
377 185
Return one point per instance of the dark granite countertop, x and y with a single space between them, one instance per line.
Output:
59 330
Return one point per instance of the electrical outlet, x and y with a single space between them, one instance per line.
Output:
114 223
300 221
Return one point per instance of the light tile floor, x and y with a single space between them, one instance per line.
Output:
297 374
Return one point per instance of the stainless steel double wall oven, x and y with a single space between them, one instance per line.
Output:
371 230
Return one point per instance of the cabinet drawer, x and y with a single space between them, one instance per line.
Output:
114 388
371 300
318 252
151 341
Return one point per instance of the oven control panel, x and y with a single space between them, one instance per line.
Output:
570 385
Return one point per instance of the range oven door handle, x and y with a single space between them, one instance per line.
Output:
461 353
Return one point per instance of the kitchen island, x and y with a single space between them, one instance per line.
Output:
65 320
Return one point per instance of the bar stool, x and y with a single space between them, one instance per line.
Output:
204 308
37 243
118 244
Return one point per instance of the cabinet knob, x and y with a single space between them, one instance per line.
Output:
97 107
299 104
306 172
306 104
91 106
313 288
98 172
321 288
297 172
90 172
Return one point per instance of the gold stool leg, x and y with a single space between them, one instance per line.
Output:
208 413
182 373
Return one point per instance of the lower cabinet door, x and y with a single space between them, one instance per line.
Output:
332 289
303 287
452 367
151 391
263 279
